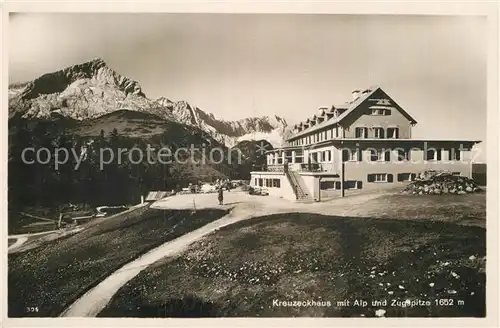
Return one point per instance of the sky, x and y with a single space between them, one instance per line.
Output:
240 65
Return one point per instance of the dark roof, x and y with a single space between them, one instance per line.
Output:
348 108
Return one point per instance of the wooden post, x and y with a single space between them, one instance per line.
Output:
319 189
60 220
342 171
342 179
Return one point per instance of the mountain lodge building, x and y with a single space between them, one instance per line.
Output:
362 144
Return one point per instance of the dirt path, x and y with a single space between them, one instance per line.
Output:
92 302
22 238
18 243
32 240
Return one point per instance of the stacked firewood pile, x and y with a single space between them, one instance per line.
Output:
441 182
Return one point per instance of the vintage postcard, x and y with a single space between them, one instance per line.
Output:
263 163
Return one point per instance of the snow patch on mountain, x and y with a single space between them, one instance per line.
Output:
93 89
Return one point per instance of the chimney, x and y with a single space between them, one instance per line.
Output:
355 94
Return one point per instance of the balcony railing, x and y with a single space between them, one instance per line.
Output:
309 167
275 168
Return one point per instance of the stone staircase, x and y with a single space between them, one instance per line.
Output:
298 186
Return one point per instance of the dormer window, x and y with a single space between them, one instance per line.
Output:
380 111
340 111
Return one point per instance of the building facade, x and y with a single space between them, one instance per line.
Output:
363 144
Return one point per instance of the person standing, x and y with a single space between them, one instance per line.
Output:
221 195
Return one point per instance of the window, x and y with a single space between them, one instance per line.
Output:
276 183
361 132
406 177
327 185
255 182
326 136
379 177
351 155
456 173
336 132
260 182
393 133
354 155
433 155
381 111
328 155
379 133
380 155
454 155
403 155
352 184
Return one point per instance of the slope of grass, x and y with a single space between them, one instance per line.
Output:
467 209
245 268
53 275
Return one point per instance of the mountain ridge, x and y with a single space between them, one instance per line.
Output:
92 89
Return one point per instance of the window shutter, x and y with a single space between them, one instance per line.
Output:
389 177
371 177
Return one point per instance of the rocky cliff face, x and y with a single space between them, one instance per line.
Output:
92 89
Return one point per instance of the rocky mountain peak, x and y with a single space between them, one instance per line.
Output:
95 69
92 89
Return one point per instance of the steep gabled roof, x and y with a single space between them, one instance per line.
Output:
349 109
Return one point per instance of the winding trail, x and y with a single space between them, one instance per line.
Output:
18 243
94 301
21 239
